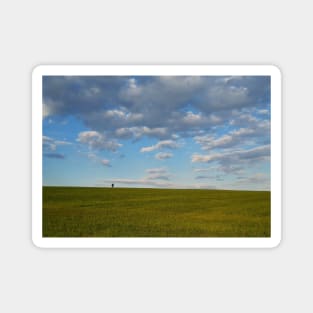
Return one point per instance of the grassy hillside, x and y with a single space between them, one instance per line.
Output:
136 212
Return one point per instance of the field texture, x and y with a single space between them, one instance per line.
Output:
135 212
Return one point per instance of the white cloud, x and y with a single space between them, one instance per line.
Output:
209 142
256 134
257 181
211 177
226 116
115 114
225 97
50 144
154 132
263 112
158 176
97 141
54 155
207 169
255 178
92 156
157 170
157 173
163 155
45 111
159 106
95 158
203 158
233 162
192 118
153 183
105 162
138 132
131 91
169 144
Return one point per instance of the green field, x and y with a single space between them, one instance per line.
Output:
143 212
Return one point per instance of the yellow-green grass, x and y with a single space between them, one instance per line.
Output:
144 212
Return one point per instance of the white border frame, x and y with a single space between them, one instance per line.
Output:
155 70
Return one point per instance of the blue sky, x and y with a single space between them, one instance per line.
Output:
157 131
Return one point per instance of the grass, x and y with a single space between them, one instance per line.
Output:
139 212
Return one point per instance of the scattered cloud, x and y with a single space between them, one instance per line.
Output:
95 158
45 111
207 169
169 144
105 162
224 119
158 170
158 173
154 106
256 178
251 154
50 144
228 168
153 183
263 112
54 155
212 177
158 176
259 133
257 181
97 141
163 155
234 162
139 132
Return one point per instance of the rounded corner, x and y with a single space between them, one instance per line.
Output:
37 243
37 70
276 70
276 243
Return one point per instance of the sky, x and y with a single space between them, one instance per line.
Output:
208 132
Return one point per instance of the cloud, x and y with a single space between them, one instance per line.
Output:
157 173
105 162
233 162
207 169
158 170
138 132
93 157
97 141
145 182
236 169
45 111
50 144
163 155
54 155
228 117
211 177
154 106
157 176
251 154
202 177
80 95
152 183
169 144
258 133
263 112
257 181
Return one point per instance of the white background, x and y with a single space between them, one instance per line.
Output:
159 32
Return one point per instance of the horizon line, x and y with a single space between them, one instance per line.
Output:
163 188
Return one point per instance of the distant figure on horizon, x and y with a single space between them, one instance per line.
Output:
112 185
